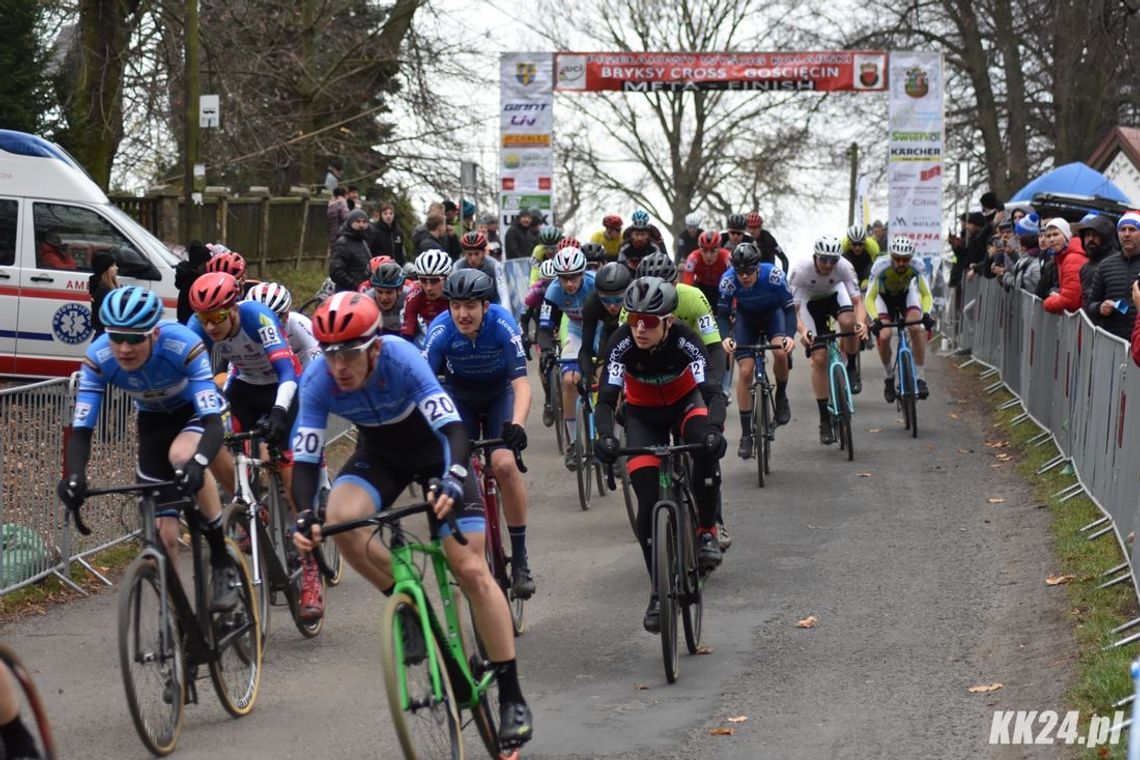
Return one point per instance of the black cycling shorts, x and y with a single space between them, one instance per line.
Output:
156 433
249 403
821 310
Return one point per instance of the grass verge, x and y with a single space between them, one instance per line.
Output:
303 283
1102 677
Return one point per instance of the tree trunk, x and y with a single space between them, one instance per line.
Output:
1008 41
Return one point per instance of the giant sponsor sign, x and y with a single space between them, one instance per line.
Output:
915 142
654 72
526 133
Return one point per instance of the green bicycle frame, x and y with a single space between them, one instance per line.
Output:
834 359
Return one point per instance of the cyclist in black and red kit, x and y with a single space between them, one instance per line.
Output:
662 364
601 312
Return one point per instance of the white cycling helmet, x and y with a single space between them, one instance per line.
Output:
546 269
433 263
856 233
274 295
901 247
569 261
828 247
693 219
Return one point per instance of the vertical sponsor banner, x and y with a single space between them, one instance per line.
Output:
526 134
915 157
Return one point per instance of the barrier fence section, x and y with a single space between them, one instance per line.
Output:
1075 381
36 540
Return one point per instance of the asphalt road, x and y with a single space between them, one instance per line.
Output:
921 587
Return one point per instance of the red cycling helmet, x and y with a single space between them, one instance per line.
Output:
709 240
346 321
473 241
377 261
214 291
568 242
611 222
754 219
230 262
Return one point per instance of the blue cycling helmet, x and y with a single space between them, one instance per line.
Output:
1030 224
639 219
130 308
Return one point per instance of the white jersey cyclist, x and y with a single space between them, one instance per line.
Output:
809 285
299 332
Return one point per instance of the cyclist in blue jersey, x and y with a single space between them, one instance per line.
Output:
478 348
260 386
408 430
567 295
166 370
757 293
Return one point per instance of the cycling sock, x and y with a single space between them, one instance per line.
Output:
824 414
921 373
572 428
509 691
18 742
746 422
216 540
518 543
889 368
781 388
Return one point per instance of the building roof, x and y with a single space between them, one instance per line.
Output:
1126 139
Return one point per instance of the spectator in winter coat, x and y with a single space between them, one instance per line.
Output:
384 236
436 237
1057 236
186 272
420 232
336 213
516 242
1108 303
1136 326
348 265
101 282
974 250
1098 238
1026 271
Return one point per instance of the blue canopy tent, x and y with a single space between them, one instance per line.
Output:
1074 179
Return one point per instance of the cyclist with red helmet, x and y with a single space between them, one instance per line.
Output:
474 245
408 430
770 250
231 263
705 266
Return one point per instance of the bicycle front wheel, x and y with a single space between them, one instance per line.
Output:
693 610
236 640
235 523
665 583
556 407
584 476
426 718
27 700
909 396
150 657
842 402
759 435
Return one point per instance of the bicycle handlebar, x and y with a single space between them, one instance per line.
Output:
759 346
832 335
257 435
487 443
113 490
663 450
878 324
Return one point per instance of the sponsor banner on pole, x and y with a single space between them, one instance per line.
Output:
864 70
914 170
526 134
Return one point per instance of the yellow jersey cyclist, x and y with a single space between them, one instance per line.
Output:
663 368
609 236
861 252
548 237
899 292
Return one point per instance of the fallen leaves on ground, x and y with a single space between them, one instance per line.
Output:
1057 580
874 430
641 687
983 688
704 649
995 500
1002 457
722 731
738 719
965 451
864 474
808 622
952 416
997 444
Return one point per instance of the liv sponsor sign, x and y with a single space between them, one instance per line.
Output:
526 133
654 72
915 150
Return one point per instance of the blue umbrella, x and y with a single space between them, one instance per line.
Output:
1074 179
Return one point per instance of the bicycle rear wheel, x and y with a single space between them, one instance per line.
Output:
27 700
665 583
501 563
426 722
236 639
150 658
909 396
556 406
235 523
329 550
585 478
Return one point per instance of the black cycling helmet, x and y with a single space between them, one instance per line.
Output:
390 275
736 223
468 285
593 252
658 265
612 279
651 295
745 255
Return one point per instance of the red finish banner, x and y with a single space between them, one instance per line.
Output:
859 70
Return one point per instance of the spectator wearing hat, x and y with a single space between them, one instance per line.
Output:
517 238
1098 238
466 217
348 265
1057 240
103 279
1026 271
1109 295
185 272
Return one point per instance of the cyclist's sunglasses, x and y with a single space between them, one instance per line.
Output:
737 233
900 259
648 321
348 349
570 277
431 280
214 317
747 271
131 338
611 300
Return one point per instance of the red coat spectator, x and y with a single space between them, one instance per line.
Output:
1136 324
1056 235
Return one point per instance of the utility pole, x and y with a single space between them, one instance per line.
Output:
190 138
853 152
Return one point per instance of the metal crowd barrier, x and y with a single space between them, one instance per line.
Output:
1075 382
35 538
